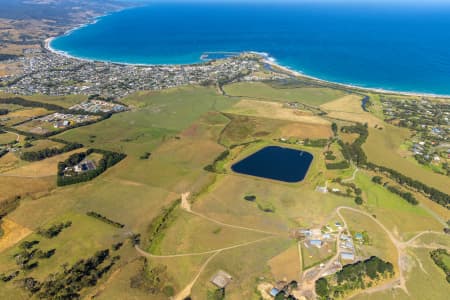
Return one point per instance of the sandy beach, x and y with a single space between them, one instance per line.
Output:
366 89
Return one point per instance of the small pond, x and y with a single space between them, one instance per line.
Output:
277 163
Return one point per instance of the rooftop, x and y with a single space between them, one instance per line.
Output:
221 279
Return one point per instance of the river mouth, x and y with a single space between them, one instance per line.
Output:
276 163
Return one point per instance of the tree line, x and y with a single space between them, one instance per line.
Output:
104 219
215 166
359 275
438 257
49 152
405 195
355 153
28 103
108 160
432 193
160 223
338 165
54 230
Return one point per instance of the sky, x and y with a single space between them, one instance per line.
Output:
424 2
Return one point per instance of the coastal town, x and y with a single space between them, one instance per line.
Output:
45 72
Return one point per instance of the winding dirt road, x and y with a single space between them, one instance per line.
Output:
398 282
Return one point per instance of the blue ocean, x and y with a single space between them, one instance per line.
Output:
393 47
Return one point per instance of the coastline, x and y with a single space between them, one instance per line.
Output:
265 58
272 63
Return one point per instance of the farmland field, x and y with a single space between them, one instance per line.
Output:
180 144
382 148
307 95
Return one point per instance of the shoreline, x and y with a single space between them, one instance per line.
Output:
265 58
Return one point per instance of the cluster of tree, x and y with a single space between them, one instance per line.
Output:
146 155
316 143
26 258
76 158
135 239
359 200
69 283
334 128
108 160
438 257
53 230
329 155
354 276
354 152
99 97
160 223
3 111
352 188
48 152
117 246
217 294
152 279
10 276
432 193
338 165
104 219
377 179
250 198
216 167
405 195
3 152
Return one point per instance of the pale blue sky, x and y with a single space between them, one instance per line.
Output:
425 2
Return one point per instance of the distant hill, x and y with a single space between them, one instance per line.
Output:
61 11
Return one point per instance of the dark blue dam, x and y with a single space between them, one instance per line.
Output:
283 164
